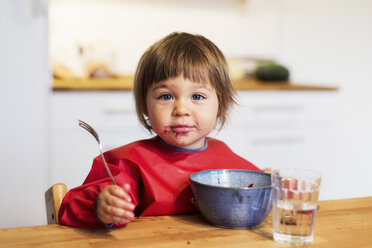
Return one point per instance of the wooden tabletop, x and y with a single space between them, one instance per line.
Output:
339 223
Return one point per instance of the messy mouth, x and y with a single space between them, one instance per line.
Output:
181 128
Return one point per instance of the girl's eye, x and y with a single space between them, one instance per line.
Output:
166 97
197 97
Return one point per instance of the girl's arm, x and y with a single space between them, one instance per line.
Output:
79 206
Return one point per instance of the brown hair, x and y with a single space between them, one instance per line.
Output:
194 57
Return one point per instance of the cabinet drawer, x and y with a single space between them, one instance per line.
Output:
101 109
265 109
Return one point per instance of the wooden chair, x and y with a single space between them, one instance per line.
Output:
53 200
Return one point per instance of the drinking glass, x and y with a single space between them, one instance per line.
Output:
295 203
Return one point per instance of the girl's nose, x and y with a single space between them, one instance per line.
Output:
180 109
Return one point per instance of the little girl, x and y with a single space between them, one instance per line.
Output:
182 92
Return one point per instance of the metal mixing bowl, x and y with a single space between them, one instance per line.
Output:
232 198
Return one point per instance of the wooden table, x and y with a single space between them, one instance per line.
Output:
339 223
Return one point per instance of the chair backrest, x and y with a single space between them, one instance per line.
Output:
53 200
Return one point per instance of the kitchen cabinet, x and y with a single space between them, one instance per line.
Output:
284 129
270 128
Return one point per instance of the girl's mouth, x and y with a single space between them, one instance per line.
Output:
181 128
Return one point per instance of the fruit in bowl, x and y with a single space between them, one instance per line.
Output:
232 198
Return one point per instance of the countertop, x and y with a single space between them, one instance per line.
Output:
125 83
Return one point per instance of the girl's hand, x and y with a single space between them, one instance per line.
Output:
115 205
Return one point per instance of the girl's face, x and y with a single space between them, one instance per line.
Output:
182 112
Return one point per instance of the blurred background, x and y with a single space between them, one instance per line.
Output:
64 60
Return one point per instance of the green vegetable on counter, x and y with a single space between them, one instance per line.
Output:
272 72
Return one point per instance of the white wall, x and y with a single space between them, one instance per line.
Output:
23 108
120 31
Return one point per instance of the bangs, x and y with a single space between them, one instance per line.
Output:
183 65
183 58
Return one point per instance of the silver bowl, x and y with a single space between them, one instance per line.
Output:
232 198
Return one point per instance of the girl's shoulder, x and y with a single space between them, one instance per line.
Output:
213 143
131 148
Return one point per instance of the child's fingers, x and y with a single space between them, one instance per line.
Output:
119 203
108 218
116 191
126 187
119 212
114 205
106 212
119 192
